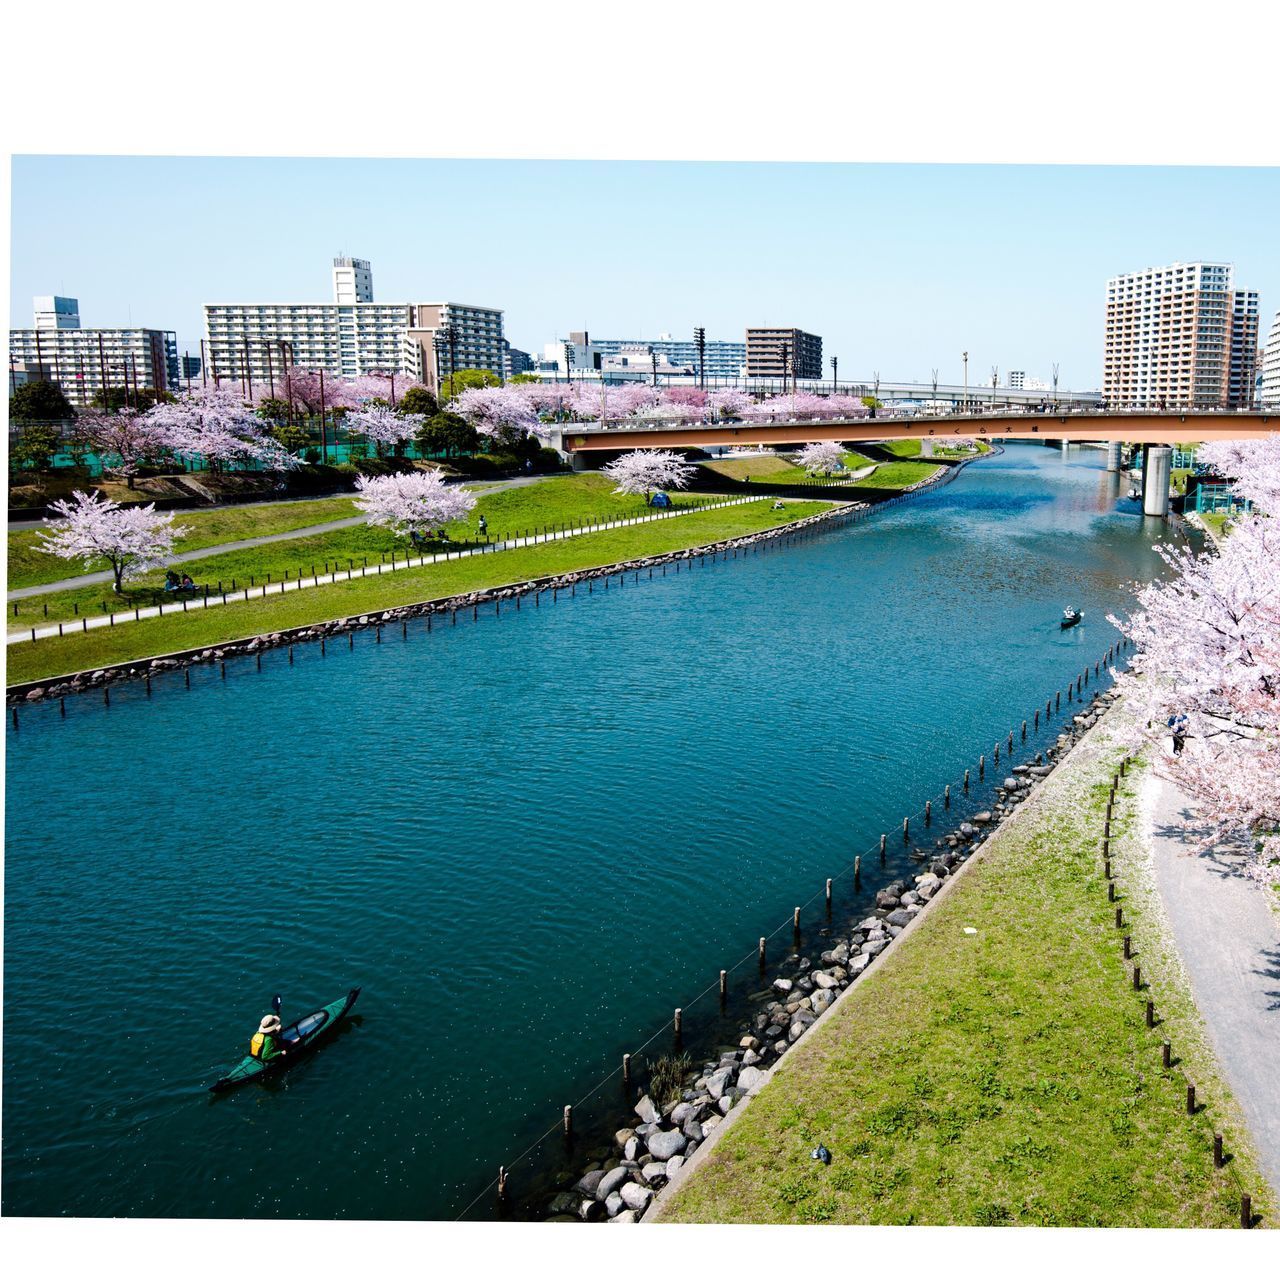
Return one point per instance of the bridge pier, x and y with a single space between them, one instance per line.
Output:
1115 453
1155 480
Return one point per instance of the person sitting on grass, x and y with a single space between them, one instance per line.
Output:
187 584
171 581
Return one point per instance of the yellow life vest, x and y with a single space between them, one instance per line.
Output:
256 1044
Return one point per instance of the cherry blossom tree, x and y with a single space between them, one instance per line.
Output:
130 436
643 470
494 411
822 458
730 403
215 423
1207 642
93 528
383 425
412 504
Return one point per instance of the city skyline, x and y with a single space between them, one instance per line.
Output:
897 268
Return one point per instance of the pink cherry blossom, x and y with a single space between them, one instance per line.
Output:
92 528
822 458
412 504
643 470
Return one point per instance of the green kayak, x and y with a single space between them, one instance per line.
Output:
298 1037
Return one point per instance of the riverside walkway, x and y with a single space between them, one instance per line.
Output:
210 599
1228 935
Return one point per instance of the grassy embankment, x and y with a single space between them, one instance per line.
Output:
779 469
29 566
1005 1076
80 650
556 501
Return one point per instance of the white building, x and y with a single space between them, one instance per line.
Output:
1179 335
84 361
255 342
1270 391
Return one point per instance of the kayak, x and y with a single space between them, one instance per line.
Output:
299 1037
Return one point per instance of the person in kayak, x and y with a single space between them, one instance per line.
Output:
266 1044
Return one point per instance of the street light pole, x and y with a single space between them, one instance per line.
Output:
835 375
700 337
965 356
995 377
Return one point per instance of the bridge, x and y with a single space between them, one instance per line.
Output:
1155 430
1134 426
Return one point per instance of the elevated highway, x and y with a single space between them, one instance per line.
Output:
1165 427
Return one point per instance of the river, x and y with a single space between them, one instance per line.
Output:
527 838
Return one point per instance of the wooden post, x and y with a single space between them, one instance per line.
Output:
906 830
1057 706
676 1019
1191 1099
982 767
626 1068
1024 731
1119 917
1128 946
724 985
291 655
1106 867
966 780
1151 1014
1111 890
502 1183
1137 978
568 1122
1036 722
882 840
946 796
855 878
995 755
1009 749
795 920
1246 1212
106 697
1217 1151
1166 1055
761 950
928 812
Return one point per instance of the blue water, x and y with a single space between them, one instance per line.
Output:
528 838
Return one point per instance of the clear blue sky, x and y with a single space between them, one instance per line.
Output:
899 268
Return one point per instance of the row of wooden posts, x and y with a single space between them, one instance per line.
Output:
677 1019
1167 1060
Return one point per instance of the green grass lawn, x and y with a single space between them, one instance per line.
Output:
29 566
78 651
902 448
780 468
891 475
1006 1076
556 501
1216 521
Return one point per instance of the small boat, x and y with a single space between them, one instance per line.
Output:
1070 617
299 1037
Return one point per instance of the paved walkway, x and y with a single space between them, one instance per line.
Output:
1229 940
373 570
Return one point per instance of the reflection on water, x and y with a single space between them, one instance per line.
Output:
527 838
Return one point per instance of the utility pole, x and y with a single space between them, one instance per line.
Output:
653 364
1055 384
700 337
835 375
995 377
933 373
965 356
568 363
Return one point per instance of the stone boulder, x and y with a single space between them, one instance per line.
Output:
665 1143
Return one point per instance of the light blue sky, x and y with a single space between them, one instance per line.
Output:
899 268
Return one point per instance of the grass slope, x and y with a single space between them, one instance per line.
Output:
1005 1077
556 501
29 567
78 651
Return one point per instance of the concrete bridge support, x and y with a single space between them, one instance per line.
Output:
1155 480
1115 451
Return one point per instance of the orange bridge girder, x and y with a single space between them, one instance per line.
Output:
1134 427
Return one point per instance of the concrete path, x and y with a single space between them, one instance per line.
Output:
202 553
188 604
1229 940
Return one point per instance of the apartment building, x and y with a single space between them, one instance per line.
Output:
723 359
777 353
85 361
1269 391
1181 334
352 335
